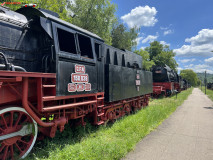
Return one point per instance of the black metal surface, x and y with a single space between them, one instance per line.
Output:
174 77
164 74
124 58
184 84
210 85
120 83
66 68
178 78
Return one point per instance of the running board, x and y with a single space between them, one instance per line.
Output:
68 106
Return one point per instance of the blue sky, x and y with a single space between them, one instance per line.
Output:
185 25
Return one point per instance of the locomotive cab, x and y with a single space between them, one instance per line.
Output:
73 53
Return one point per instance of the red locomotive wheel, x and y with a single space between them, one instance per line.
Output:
18 133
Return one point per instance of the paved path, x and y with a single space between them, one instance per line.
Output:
186 135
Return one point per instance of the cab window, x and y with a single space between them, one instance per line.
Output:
85 46
66 41
97 50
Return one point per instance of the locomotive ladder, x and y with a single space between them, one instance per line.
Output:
46 88
99 114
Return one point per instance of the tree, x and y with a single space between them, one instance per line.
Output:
198 82
132 35
166 57
97 16
123 38
190 76
56 6
154 49
161 54
146 62
53 5
13 4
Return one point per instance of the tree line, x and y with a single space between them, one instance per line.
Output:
98 16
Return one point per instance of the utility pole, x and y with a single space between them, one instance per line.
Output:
201 83
205 82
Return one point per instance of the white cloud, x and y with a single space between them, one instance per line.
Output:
187 60
164 28
138 40
149 38
205 65
179 68
208 71
141 16
209 61
204 36
167 32
200 68
200 45
189 66
142 48
164 43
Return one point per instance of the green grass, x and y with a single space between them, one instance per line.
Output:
208 92
111 141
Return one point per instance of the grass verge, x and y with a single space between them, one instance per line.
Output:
110 141
208 92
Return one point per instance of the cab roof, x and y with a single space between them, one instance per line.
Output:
31 12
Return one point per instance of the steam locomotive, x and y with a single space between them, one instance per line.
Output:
53 72
210 86
166 81
163 80
184 84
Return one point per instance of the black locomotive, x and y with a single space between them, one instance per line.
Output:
184 84
164 80
210 86
56 72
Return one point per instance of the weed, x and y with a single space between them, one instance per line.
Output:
208 92
110 141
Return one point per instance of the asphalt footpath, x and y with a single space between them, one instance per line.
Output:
186 135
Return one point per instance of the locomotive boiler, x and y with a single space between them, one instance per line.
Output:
53 73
